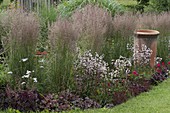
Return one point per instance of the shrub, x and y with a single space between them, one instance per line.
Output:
66 8
33 101
161 73
67 100
139 86
141 5
120 97
24 101
1 1
160 5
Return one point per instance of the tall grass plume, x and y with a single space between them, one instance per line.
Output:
20 42
63 43
92 25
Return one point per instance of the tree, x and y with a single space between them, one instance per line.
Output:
141 5
1 1
143 2
161 5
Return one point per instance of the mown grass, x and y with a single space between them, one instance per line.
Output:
156 100
127 2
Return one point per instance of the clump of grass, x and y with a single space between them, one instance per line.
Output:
20 43
3 30
155 21
163 23
147 21
63 42
122 34
92 25
128 22
125 24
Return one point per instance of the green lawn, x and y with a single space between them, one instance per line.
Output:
127 2
156 100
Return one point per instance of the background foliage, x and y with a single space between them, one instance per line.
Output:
66 8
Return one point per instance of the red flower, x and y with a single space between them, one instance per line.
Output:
41 53
123 81
109 84
158 70
163 63
169 63
135 73
158 65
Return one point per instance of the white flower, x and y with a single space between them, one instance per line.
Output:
102 69
25 76
35 79
24 59
23 83
41 66
142 55
28 72
10 72
41 61
127 71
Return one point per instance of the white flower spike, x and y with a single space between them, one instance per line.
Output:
24 59
35 79
28 72
26 76
10 72
23 83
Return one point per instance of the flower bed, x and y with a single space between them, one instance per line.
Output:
32 100
109 91
88 64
